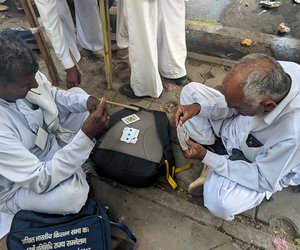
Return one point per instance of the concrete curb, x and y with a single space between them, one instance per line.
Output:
217 40
213 39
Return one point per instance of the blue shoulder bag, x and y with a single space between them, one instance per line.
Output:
88 229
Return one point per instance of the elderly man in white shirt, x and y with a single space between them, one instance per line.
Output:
256 117
58 23
45 135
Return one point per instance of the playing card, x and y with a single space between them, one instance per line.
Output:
130 135
183 136
130 119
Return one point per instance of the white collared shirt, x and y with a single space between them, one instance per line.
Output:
278 131
22 163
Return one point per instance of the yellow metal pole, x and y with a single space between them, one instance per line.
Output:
104 16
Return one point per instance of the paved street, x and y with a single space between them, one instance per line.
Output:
217 28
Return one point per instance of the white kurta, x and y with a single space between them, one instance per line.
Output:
235 186
58 23
36 179
157 46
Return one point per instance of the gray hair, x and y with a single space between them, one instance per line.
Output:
16 59
271 82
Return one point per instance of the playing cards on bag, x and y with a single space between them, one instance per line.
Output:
183 136
130 119
130 135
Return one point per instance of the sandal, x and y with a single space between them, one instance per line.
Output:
3 7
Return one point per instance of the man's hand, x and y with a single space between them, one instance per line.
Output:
73 77
195 151
92 103
97 122
185 112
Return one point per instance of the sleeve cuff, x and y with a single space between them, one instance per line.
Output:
210 159
67 63
83 142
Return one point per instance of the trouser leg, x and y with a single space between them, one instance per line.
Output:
225 198
171 38
88 24
5 222
67 197
122 25
143 53
58 23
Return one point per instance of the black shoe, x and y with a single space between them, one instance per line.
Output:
128 91
181 81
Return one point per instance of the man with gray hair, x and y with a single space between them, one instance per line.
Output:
256 121
46 135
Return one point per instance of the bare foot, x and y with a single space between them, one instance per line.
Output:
169 86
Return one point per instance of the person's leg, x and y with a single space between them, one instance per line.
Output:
58 23
143 57
200 129
5 222
88 25
122 26
171 39
122 31
225 198
67 197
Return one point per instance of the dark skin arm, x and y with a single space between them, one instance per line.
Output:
195 151
97 121
92 103
185 112
73 77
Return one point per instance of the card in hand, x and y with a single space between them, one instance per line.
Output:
183 136
130 119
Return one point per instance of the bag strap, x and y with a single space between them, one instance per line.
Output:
126 230
162 122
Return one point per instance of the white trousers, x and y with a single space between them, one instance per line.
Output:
223 197
157 46
122 37
58 23
67 197
89 28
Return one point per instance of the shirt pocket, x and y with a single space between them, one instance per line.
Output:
252 148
